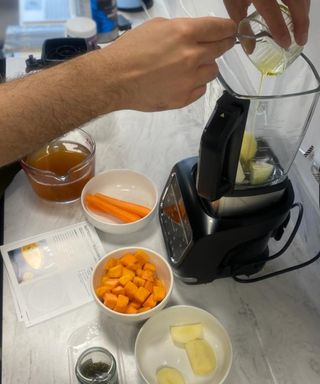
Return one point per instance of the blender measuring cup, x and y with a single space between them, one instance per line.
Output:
264 52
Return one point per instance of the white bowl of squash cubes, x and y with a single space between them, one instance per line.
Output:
183 344
131 284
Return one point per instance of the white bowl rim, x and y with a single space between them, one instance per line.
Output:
185 306
132 315
122 170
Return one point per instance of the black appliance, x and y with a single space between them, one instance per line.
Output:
203 243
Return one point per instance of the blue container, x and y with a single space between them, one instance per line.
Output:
104 13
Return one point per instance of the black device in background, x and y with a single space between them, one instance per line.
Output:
123 23
2 67
58 50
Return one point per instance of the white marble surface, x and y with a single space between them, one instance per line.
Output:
273 325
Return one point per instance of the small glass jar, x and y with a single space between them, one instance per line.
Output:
257 42
96 365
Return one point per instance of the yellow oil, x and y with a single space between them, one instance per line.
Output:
270 68
250 132
253 124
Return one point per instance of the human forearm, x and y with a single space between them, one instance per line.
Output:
163 64
53 102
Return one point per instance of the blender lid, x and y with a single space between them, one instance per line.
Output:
220 147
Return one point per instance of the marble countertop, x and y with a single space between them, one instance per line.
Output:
273 324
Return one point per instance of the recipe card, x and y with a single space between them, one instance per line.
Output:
50 273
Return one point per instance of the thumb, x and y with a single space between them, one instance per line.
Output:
237 9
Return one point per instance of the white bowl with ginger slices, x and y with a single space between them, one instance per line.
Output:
119 201
162 355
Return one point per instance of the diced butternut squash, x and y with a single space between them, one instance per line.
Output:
150 302
150 267
110 300
158 282
135 304
142 257
128 259
115 271
159 292
131 309
149 285
139 272
141 295
133 267
118 290
100 291
130 289
130 284
138 281
148 275
124 279
127 271
108 282
143 309
120 309
110 263
122 301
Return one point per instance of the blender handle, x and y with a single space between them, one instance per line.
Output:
220 147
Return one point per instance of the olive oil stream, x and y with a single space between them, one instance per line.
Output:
255 112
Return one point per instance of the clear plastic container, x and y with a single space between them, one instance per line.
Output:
96 338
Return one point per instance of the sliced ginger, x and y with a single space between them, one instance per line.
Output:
181 334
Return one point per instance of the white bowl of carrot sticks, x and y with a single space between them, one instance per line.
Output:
119 201
131 284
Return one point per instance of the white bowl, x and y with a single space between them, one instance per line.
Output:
126 185
154 347
164 273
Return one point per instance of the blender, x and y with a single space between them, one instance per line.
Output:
219 210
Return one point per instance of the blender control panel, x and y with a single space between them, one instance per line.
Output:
174 220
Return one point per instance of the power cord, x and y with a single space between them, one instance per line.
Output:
145 9
278 254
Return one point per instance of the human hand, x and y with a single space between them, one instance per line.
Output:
270 11
166 63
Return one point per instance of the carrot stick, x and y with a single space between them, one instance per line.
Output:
127 217
126 205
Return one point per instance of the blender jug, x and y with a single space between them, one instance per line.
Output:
251 161
219 210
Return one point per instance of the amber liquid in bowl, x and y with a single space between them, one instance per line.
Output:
71 165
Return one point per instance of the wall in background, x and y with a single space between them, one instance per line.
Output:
9 14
